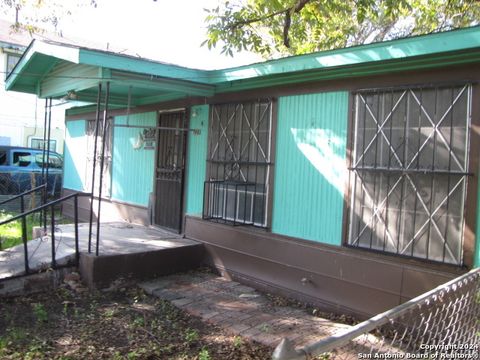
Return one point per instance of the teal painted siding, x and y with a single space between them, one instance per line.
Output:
75 154
310 166
132 170
196 160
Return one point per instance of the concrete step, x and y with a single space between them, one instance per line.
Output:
125 250
101 271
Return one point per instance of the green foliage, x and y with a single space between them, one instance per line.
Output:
204 355
139 321
237 342
40 313
133 355
33 15
286 27
191 335
110 313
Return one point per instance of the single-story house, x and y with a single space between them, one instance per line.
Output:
346 178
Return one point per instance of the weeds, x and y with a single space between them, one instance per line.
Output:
93 325
237 342
191 335
40 313
204 355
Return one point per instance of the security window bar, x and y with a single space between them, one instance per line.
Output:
410 171
239 163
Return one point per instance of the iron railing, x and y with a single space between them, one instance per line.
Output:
234 202
50 205
443 323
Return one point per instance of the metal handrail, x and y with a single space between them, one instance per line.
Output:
286 350
50 204
23 194
42 207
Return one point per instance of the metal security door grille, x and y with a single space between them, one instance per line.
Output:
107 167
410 170
239 163
170 170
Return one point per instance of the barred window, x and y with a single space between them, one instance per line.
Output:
238 160
410 171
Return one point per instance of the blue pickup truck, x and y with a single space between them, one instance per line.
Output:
21 170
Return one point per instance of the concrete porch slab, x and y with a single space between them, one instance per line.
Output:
118 240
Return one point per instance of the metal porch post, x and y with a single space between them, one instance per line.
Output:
43 214
48 140
92 197
102 160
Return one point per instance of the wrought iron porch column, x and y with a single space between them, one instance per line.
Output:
102 161
92 196
46 154
43 214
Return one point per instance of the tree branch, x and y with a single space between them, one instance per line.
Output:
295 9
254 20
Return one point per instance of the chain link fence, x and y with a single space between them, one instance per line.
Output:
441 324
15 182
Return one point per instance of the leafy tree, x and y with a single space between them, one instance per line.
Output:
285 27
33 15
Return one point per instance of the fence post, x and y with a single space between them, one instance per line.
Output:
24 234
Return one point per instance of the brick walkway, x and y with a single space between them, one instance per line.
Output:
240 309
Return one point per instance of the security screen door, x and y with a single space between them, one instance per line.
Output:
410 171
107 158
169 171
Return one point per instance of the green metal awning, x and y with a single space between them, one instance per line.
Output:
62 71
55 70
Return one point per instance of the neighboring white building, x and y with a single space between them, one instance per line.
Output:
22 115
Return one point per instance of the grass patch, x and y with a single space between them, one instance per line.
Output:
11 233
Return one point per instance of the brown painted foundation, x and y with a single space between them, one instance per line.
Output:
111 210
334 278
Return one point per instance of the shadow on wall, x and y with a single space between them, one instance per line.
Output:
323 149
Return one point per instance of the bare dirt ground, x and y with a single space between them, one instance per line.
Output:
123 323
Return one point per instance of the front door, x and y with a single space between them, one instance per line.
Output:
170 168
